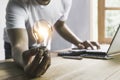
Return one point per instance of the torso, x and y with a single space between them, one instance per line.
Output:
36 12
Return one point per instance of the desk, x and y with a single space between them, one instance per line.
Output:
68 69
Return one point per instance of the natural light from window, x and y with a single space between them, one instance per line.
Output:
108 19
112 17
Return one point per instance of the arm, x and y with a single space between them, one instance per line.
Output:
19 43
67 34
15 23
36 61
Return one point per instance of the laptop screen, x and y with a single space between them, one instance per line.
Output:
115 43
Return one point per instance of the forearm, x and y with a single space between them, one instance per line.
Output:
66 33
17 54
36 61
19 43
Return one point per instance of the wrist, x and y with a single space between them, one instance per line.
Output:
79 43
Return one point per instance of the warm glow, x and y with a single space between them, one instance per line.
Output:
42 31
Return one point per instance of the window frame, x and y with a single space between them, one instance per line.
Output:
101 21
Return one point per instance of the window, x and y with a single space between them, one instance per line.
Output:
108 19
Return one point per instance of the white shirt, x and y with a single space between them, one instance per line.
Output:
25 13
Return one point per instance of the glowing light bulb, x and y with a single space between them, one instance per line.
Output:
42 31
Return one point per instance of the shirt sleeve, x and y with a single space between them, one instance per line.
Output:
15 15
67 6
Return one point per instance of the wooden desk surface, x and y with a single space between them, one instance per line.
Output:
68 69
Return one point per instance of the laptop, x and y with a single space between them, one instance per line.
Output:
103 53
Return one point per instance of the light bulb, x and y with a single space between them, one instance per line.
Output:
42 31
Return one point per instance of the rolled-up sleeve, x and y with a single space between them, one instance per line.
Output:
67 7
15 15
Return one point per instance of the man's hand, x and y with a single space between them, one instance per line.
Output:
37 61
88 44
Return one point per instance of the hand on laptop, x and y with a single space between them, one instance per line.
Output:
89 44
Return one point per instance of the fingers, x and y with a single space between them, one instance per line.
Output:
95 44
39 64
30 68
44 65
91 44
27 55
88 44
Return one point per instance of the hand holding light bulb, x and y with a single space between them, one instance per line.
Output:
39 58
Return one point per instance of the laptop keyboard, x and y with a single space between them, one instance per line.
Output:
85 53
101 55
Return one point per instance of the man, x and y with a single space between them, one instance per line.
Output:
21 15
